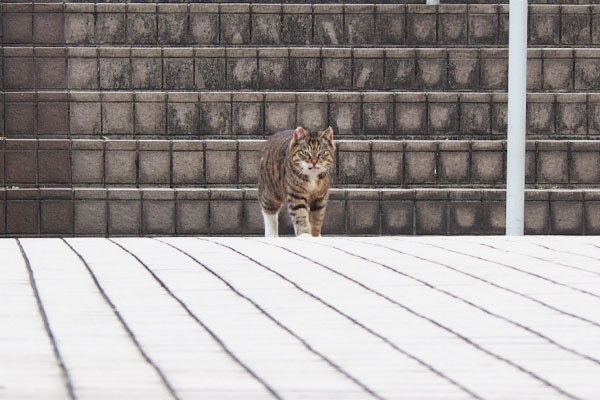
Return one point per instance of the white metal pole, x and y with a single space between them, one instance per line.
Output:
517 98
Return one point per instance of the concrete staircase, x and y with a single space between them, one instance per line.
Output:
148 118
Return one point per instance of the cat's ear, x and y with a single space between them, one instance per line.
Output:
299 133
328 134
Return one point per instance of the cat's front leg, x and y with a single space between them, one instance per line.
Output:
271 224
317 215
298 211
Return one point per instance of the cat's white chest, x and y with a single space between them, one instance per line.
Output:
313 178
312 183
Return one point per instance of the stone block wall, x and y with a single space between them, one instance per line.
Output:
213 163
253 115
151 211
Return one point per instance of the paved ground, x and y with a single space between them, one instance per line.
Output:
334 318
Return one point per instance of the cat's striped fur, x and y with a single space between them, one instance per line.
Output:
294 170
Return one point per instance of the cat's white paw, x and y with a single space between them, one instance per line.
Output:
304 235
271 225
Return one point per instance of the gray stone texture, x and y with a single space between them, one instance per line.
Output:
79 28
226 217
124 217
115 73
82 73
266 29
146 73
158 217
22 217
87 166
53 118
56 217
90 217
204 28
172 28
235 28
242 72
418 89
475 24
192 217
428 69
247 118
111 28
178 73
215 118
182 118
142 29
384 163
296 29
378 119
465 217
117 118
210 73
397 217
328 29
20 119
431 217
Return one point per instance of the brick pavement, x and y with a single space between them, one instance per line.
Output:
360 317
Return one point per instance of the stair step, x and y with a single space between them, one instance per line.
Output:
187 163
286 24
293 68
362 115
297 24
133 212
276 22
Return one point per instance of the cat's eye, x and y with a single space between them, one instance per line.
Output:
305 153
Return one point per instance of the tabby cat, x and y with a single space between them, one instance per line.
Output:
294 169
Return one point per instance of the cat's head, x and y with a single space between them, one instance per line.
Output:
312 153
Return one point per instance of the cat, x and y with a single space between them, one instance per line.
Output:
294 170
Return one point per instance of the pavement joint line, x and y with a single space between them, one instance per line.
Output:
61 363
354 321
149 360
508 241
517 324
518 269
596 324
464 338
557 251
277 322
196 318
593 245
